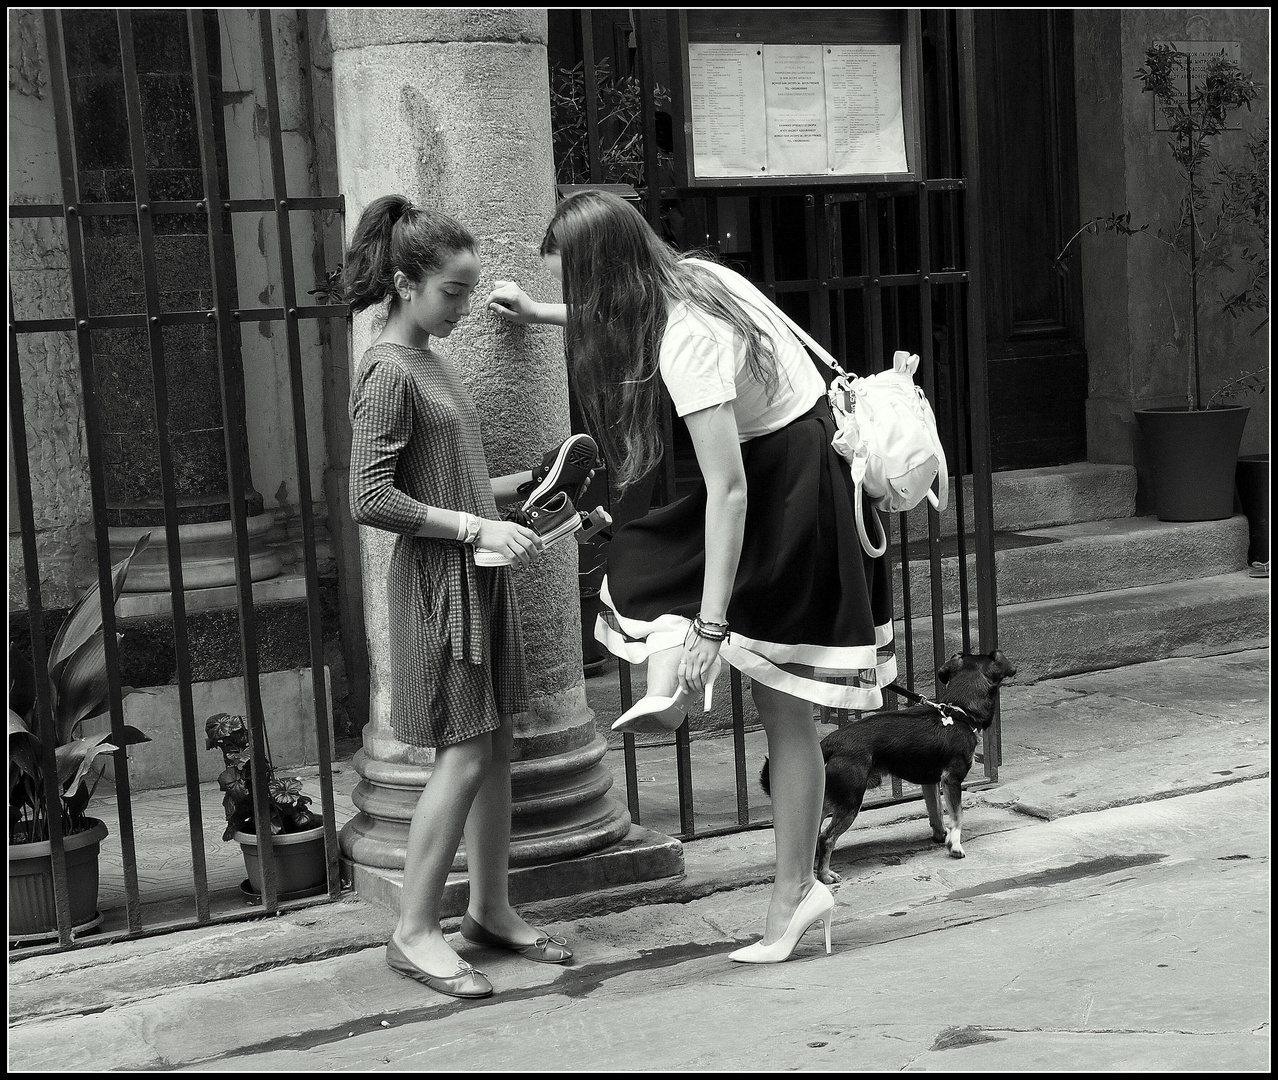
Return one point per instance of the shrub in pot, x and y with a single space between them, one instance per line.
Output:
1222 227
297 834
77 692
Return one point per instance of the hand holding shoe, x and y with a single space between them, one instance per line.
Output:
517 544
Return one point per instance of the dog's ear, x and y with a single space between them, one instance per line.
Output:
949 668
1000 666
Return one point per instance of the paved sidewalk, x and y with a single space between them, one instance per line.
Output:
1194 730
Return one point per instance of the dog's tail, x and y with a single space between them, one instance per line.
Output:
763 773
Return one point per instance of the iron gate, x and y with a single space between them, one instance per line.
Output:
882 266
148 210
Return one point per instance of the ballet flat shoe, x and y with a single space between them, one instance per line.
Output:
816 907
547 949
663 714
467 983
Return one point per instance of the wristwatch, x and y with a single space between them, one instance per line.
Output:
469 528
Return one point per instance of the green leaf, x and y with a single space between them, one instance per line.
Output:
82 685
22 684
75 758
24 748
85 619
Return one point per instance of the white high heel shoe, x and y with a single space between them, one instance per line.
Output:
663 713
816 907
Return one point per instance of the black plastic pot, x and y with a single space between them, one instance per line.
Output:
33 916
1252 476
301 866
1191 456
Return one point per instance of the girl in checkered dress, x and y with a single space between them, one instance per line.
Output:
457 667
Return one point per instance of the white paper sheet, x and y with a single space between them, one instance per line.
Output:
794 97
863 107
728 136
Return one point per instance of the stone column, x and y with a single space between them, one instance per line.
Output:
451 108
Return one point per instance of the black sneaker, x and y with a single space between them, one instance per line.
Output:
552 520
566 469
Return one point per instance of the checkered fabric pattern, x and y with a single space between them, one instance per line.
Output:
456 645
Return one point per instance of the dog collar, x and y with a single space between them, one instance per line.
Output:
946 712
944 709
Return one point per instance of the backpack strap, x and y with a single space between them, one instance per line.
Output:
807 339
874 549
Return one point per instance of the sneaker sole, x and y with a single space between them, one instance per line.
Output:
495 558
580 452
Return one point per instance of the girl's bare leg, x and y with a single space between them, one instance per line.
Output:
433 836
797 782
488 846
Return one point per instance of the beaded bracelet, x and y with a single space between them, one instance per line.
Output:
709 630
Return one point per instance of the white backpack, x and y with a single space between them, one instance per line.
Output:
887 434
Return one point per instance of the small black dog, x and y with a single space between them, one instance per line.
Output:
923 744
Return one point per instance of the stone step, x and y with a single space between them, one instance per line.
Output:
1039 498
1071 634
1085 558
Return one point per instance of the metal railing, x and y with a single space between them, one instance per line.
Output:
227 318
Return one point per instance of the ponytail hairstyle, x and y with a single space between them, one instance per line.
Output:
393 234
620 281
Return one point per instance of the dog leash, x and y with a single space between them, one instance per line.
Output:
943 708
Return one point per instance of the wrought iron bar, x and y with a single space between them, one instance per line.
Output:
302 458
982 485
168 490
230 370
874 298
644 20
175 206
67 162
45 726
683 772
738 746
628 743
590 88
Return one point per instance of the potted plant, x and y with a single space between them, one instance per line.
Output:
297 834
1223 227
77 692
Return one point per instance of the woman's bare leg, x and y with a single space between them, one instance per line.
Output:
797 781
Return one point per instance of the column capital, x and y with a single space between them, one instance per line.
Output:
358 28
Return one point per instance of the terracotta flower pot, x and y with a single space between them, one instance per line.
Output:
1191 456
32 914
301 868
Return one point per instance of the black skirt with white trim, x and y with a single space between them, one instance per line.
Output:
806 593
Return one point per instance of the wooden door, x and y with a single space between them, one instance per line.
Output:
1033 314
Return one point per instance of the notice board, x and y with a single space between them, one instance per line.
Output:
774 97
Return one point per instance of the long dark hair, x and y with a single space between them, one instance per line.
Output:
393 234
620 282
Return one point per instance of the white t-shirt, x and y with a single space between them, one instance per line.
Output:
703 363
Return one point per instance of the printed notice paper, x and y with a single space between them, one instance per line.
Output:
794 96
863 103
726 81
796 110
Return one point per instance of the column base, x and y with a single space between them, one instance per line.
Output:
641 855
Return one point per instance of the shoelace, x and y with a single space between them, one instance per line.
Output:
542 942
